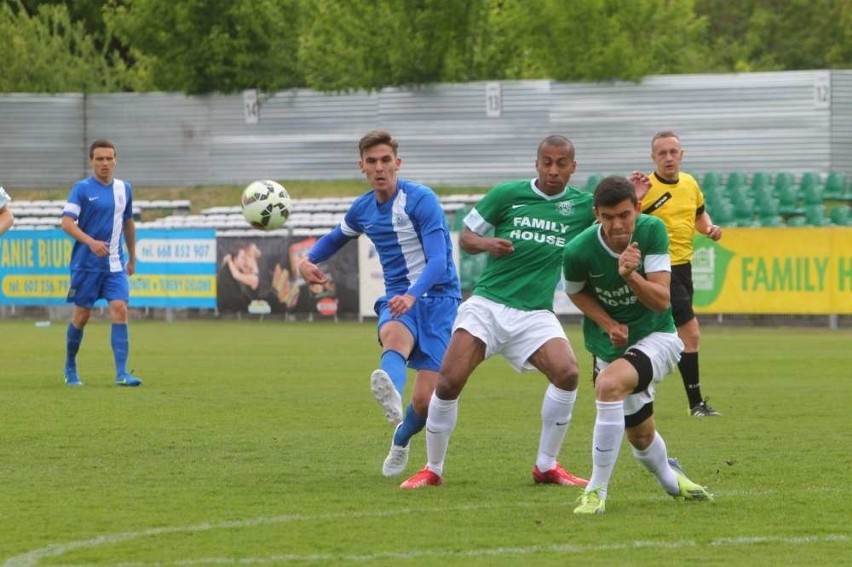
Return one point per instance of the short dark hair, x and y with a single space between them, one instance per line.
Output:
614 189
101 143
558 141
377 138
664 134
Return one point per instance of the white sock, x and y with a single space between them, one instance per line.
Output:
440 423
655 458
606 442
555 418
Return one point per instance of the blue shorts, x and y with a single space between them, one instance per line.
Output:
88 286
430 322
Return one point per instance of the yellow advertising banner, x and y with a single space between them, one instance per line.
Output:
774 271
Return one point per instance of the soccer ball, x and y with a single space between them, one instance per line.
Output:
266 204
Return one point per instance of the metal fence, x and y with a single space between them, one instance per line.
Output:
451 134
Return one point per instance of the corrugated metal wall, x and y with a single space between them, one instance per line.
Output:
841 121
737 122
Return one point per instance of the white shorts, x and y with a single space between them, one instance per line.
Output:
511 332
663 349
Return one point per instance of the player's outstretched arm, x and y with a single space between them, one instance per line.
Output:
311 273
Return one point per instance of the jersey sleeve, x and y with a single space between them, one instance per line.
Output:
429 214
128 210
74 204
486 214
4 198
656 252
351 225
573 268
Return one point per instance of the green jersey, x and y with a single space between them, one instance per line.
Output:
539 226
591 264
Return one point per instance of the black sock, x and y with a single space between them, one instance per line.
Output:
688 366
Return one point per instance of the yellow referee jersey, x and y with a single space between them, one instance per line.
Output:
677 205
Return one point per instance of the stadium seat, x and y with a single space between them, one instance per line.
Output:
735 181
722 213
744 211
770 221
788 201
783 181
767 211
711 179
713 194
835 187
593 181
840 215
470 268
815 215
736 191
761 181
810 188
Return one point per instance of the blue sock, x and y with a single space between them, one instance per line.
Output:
394 364
120 347
73 338
410 426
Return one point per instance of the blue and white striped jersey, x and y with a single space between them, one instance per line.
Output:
100 211
397 228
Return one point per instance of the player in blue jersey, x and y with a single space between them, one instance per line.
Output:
7 219
98 212
406 224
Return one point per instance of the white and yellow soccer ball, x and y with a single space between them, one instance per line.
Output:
266 204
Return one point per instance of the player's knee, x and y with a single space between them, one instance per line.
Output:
566 377
420 402
640 437
119 313
609 388
449 386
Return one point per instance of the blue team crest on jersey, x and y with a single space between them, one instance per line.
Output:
565 207
400 219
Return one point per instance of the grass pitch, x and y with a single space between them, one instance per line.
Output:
259 443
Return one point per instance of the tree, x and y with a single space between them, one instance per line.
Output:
48 52
201 46
370 44
769 35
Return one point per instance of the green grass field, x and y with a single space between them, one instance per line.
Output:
259 443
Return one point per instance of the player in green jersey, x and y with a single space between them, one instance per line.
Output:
511 309
617 273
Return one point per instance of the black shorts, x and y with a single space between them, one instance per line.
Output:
681 293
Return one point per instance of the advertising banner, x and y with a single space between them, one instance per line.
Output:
258 275
774 271
174 268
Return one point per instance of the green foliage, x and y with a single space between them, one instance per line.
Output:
769 35
364 44
48 52
200 46
258 442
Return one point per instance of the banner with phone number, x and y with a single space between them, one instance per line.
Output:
174 268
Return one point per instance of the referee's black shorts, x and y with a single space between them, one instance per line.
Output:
681 293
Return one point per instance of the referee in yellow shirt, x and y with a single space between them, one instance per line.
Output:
676 199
